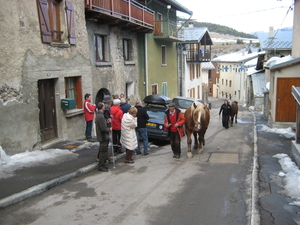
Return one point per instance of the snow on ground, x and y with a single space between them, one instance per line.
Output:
290 172
9 164
288 133
291 177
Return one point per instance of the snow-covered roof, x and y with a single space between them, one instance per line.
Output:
279 62
207 66
240 56
196 34
282 39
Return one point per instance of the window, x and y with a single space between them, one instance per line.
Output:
163 55
154 89
230 83
226 82
100 48
164 88
73 89
127 47
51 24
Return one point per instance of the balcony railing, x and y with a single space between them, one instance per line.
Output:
165 29
198 56
125 10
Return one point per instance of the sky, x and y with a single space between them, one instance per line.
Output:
241 15
290 172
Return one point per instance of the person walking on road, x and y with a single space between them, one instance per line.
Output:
174 121
226 112
141 130
128 135
102 131
89 113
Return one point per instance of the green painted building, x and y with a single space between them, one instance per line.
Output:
158 58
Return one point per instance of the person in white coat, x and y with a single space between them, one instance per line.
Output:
128 135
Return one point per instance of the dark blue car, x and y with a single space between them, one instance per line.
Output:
156 106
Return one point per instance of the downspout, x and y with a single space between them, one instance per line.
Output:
146 65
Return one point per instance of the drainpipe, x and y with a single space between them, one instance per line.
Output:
146 66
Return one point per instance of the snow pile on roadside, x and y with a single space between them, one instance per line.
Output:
9 164
291 177
288 132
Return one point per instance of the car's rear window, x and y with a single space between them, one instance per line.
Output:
155 114
182 103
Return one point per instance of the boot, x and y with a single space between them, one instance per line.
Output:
128 158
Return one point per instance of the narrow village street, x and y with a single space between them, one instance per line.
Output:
211 188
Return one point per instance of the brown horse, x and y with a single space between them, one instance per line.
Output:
197 118
234 112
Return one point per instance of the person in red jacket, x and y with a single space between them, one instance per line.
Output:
174 121
89 110
116 119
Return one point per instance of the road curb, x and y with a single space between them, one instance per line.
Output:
255 216
40 188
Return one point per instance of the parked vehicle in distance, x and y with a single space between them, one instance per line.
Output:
156 106
183 103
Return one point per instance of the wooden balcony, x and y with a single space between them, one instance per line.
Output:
166 30
198 56
127 14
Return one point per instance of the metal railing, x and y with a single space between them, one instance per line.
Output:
198 56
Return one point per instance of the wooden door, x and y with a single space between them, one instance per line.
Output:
286 104
48 125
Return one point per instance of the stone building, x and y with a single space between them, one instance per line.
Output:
57 50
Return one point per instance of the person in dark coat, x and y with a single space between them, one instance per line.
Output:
102 131
107 100
124 105
226 112
141 129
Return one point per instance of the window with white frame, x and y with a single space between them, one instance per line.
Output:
164 88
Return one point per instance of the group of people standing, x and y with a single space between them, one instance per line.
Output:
127 124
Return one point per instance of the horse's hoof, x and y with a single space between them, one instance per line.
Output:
189 155
199 151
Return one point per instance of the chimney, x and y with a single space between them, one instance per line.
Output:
271 32
191 24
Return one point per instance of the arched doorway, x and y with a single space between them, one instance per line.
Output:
100 95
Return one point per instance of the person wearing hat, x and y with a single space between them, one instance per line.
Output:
107 100
116 119
226 112
89 112
174 121
103 137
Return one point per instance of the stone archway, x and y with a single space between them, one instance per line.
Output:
100 95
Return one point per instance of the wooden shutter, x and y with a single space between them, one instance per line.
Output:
44 20
78 93
70 22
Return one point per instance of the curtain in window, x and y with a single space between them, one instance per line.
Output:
100 48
